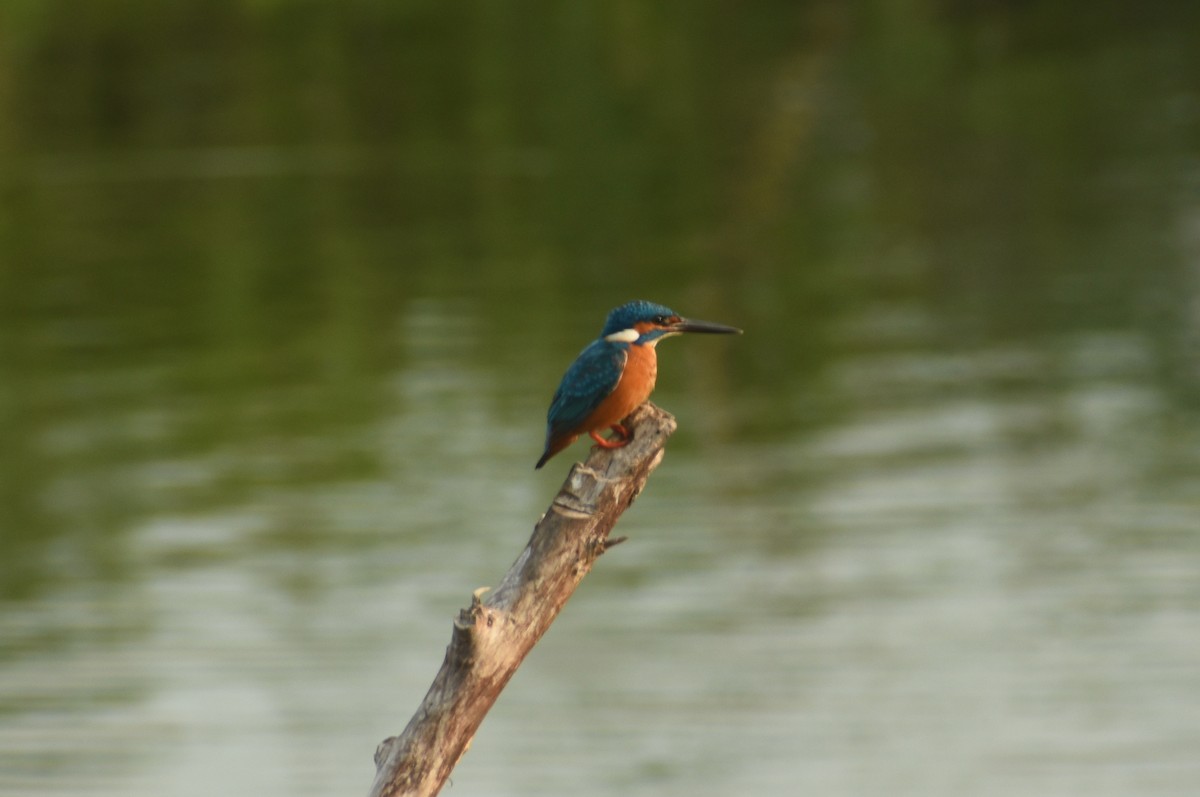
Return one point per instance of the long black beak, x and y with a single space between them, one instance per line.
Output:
707 327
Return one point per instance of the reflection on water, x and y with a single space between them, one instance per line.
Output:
927 528
1006 579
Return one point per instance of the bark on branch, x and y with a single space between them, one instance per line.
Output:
493 636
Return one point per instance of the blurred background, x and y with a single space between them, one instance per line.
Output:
285 288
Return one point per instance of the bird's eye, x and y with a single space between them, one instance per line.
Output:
660 319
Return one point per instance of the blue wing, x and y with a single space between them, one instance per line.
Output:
590 379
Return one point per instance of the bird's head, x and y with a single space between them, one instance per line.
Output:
646 323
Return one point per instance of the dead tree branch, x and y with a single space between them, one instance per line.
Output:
493 636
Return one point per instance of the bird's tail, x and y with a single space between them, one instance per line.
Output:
553 447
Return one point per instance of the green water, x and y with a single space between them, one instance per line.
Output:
285 289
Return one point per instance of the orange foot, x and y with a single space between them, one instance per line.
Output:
622 437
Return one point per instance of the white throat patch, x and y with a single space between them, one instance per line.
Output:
624 336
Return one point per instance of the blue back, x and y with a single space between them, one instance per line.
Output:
589 380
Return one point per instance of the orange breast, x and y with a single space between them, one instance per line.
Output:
636 385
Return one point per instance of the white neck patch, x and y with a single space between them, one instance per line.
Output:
624 336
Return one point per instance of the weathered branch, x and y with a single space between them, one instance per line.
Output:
493 636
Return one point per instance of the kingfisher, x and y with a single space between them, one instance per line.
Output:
614 375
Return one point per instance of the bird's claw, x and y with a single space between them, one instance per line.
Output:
621 433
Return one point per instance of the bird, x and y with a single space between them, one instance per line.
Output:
614 375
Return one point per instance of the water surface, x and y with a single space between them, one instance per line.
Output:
284 293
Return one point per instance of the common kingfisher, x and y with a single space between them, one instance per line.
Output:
614 375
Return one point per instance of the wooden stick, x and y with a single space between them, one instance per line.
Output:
493 636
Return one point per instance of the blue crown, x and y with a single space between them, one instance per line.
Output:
628 314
